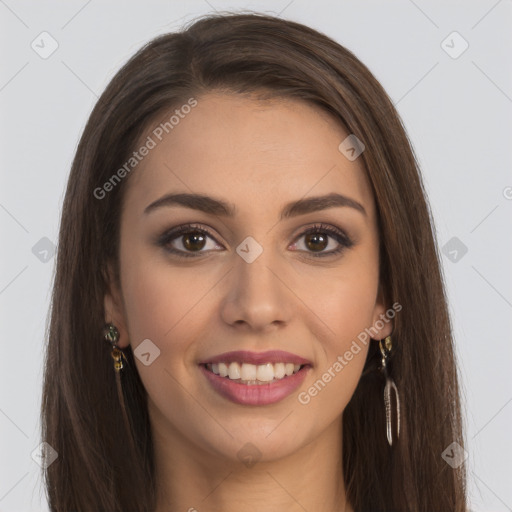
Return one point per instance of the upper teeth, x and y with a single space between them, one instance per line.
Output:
251 372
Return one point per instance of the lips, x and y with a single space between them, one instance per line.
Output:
252 378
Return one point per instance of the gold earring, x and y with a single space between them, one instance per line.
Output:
112 336
385 350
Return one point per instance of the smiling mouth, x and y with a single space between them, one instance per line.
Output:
251 374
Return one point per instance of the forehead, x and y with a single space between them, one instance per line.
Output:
249 151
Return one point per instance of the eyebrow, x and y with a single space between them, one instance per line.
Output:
218 207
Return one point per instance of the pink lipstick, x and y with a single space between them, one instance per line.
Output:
255 378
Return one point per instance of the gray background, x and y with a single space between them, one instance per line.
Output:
457 112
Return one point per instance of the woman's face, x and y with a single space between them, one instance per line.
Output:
250 280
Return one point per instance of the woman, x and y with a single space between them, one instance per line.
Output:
245 232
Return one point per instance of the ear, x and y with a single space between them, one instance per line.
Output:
381 321
115 311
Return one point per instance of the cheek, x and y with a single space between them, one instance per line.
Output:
348 312
351 308
343 299
159 299
165 307
346 309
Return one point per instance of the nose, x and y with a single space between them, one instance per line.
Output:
258 297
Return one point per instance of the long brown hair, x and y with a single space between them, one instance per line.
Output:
104 444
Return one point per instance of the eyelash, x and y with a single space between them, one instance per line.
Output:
164 240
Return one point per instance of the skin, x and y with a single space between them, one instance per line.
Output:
257 155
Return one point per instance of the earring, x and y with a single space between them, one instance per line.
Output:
112 336
385 350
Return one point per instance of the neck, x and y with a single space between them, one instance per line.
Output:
191 479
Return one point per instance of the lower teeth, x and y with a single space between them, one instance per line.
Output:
254 382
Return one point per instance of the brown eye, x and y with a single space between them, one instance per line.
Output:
193 241
316 241
188 241
318 238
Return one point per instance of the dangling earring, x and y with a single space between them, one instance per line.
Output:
390 386
112 336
